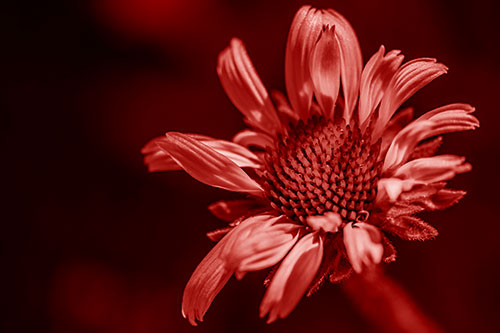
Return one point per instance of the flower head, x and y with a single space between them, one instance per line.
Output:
336 165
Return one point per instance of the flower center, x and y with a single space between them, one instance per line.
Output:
320 167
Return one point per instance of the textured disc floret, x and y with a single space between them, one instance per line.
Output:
322 166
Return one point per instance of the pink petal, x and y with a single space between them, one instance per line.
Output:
159 160
248 138
363 243
375 78
409 78
292 278
325 70
217 267
389 189
446 119
433 169
304 32
206 165
244 88
329 222
265 245
205 283
230 210
350 56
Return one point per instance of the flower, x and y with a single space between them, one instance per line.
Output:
326 172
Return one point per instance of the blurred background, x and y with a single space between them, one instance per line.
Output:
91 242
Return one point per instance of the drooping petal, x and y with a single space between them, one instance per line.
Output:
409 78
292 278
325 70
410 228
158 159
205 283
217 267
230 210
375 78
363 244
248 138
245 89
304 31
350 56
433 169
206 165
446 119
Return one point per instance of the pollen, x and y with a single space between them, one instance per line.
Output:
322 166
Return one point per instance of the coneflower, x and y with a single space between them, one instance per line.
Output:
335 165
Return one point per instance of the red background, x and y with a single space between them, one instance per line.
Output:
93 243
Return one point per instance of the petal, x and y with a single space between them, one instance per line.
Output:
266 245
159 160
230 210
363 244
206 165
292 278
329 222
325 70
350 56
446 119
216 268
245 89
409 78
205 283
389 189
433 169
375 78
304 31
248 138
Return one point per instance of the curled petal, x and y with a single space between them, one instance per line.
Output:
292 278
363 243
304 31
248 138
245 89
433 169
325 70
350 57
207 165
390 189
446 119
409 78
375 78
158 159
427 149
329 222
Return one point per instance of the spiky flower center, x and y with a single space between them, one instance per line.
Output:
321 166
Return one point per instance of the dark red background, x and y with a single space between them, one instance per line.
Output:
93 243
